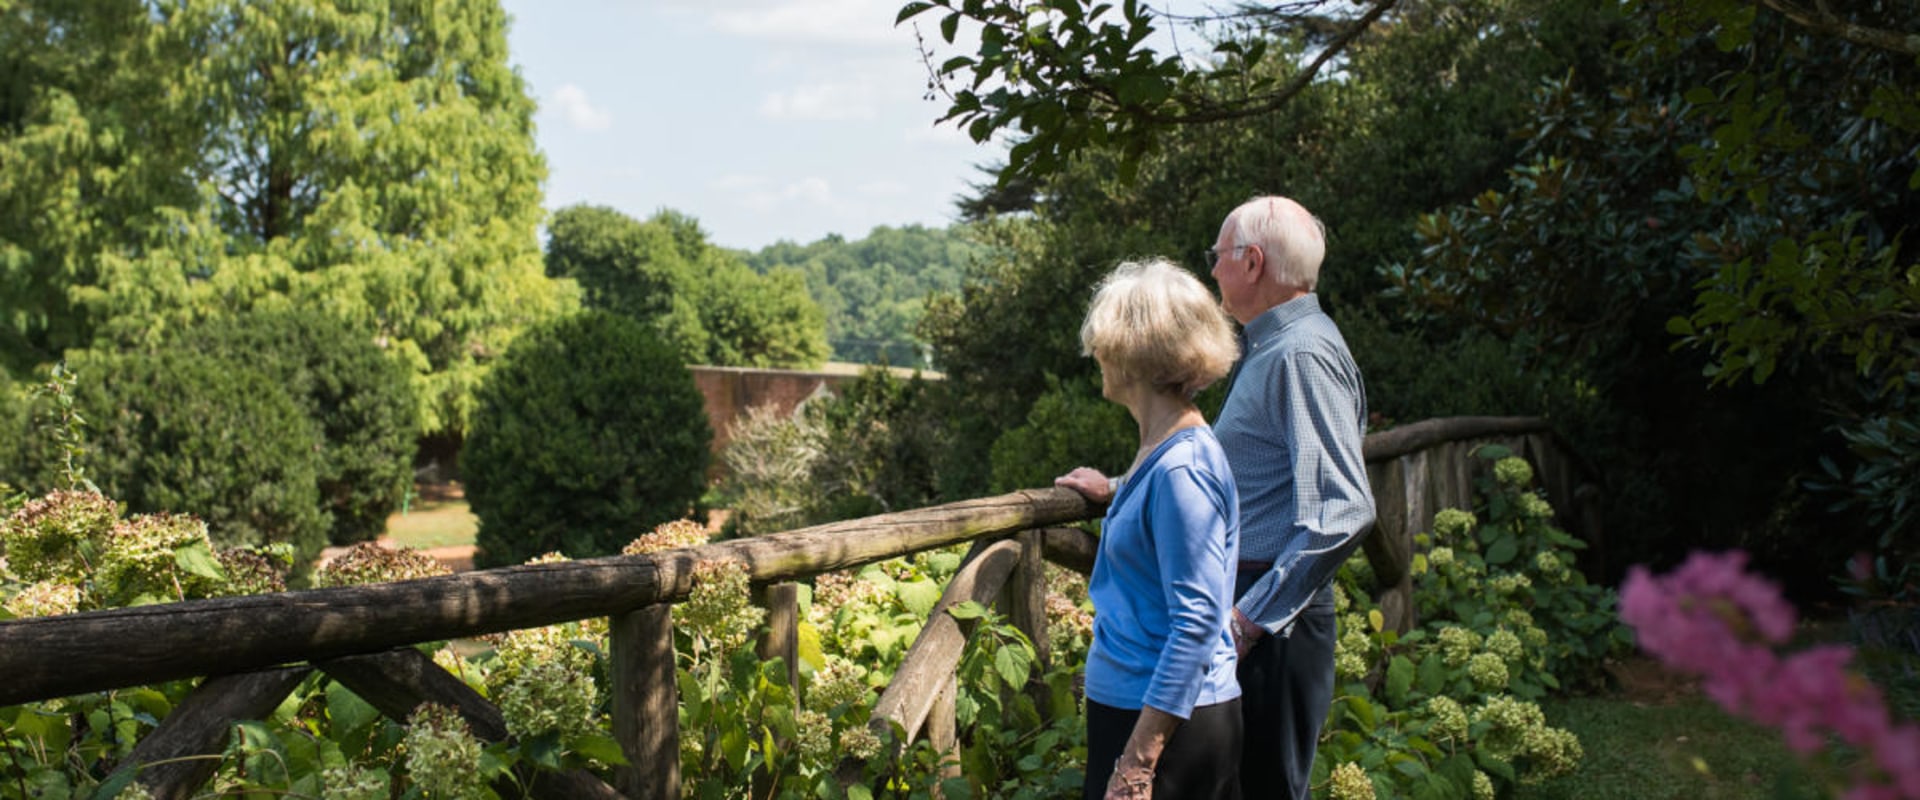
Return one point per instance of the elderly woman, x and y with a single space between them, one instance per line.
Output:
1163 714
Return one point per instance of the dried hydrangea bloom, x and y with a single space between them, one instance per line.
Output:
668 536
54 537
718 609
841 683
368 562
442 753
142 560
44 599
252 572
349 782
548 697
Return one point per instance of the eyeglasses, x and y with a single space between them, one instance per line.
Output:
1212 254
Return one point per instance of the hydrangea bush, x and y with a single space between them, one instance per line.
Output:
1448 709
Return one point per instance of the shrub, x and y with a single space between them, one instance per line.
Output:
361 397
874 448
1070 425
189 433
589 433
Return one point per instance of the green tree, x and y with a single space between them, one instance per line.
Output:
174 161
589 434
1393 138
1763 219
701 298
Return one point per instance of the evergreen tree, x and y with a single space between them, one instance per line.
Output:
170 161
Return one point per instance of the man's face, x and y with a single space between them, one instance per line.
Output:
1231 273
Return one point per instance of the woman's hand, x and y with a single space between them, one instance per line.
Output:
1130 782
1089 482
1140 756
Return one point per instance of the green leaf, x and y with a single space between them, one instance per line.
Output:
349 713
950 26
197 558
111 787
1013 666
919 596
599 747
1400 675
859 792
1503 550
1433 676
910 10
733 744
967 610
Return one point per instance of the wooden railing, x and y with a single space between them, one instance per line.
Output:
258 648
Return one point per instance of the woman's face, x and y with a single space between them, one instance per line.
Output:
1113 384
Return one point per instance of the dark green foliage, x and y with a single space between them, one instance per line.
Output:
358 393
1070 426
1367 154
588 434
190 433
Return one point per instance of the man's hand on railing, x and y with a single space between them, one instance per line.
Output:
1090 483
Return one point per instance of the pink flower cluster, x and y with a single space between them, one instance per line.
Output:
1712 618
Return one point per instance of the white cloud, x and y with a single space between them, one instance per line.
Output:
823 101
883 188
861 22
580 112
762 196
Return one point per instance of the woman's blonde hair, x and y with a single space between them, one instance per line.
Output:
1154 322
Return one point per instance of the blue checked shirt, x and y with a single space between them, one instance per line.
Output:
1292 429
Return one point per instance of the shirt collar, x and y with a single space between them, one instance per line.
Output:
1280 317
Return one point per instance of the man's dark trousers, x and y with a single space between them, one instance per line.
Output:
1286 687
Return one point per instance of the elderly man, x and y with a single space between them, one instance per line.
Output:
1291 427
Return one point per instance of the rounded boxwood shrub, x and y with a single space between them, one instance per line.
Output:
190 433
588 434
361 397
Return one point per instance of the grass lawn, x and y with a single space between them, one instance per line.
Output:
433 523
1676 748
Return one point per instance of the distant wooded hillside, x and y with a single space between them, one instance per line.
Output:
874 289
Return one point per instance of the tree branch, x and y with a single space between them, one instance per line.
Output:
1278 99
1824 22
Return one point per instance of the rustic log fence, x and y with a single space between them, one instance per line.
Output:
258 648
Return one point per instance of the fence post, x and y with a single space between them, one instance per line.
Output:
1024 601
646 703
782 639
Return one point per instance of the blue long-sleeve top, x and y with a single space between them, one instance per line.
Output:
1162 584
1292 426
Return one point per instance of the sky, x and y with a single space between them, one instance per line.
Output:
764 119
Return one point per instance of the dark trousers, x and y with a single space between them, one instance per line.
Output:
1286 687
1201 760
